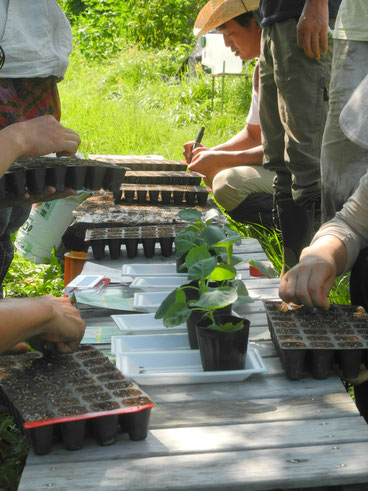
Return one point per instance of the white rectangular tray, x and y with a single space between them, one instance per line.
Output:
149 342
149 301
144 324
165 269
182 367
157 283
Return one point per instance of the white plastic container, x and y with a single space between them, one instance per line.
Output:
215 53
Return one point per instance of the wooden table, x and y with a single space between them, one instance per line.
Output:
261 434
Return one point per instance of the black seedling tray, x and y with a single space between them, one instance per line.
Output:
154 194
316 340
166 177
130 237
70 396
143 163
33 175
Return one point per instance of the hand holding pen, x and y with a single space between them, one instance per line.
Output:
197 142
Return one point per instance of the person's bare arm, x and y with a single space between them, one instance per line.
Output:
35 137
310 281
312 28
51 319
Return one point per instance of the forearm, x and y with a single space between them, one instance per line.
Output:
247 138
252 156
22 318
329 248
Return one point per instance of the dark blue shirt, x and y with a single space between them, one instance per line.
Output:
278 10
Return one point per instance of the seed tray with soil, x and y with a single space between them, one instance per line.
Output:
143 163
155 194
34 174
316 340
67 397
163 177
130 237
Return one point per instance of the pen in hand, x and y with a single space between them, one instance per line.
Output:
197 142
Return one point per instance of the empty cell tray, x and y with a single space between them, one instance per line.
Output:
167 177
315 339
154 194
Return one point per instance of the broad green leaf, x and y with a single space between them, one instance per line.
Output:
185 240
243 299
223 272
227 242
211 214
177 314
202 269
265 269
221 297
196 254
240 287
212 234
190 215
177 296
227 327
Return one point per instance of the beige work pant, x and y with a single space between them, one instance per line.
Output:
231 186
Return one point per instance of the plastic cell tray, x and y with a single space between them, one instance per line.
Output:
132 194
162 177
142 163
316 341
33 175
69 396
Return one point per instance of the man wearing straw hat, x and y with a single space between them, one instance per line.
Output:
234 169
294 82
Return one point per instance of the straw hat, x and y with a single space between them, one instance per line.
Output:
217 12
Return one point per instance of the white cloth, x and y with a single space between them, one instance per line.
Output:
253 114
351 21
36 38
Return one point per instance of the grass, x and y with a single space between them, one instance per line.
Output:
135 105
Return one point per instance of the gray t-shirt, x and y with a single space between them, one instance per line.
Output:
4 4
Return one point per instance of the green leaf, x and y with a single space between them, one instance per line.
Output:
190 215
221 297
244 299
177 314
202 269
185 240
177 296
265 269
212 235
227 242
227 327
196 254
223 272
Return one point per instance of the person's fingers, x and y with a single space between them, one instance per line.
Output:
324 41
18 348
315 46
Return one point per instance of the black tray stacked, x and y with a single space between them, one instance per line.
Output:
32 175
317 341
68 397
144 211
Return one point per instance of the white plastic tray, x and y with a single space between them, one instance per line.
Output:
149 342
144 324
149 301
181 367
166 269
157 283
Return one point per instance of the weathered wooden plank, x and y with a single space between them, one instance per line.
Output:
256 387
224 438
253 470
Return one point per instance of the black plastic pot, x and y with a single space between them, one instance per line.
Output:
202 198
153 197
105 429
41 439
16 182
95 177
223 350
149 247
114 248
190 198
73 434
35 179
195 318
131 247
135 424
166 244
76 177
55 176
166 197
98 248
